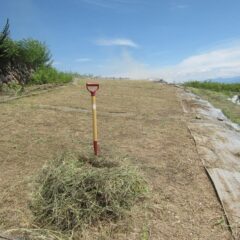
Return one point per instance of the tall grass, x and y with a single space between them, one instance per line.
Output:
50 75
214 86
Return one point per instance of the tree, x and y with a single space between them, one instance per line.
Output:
19 59
34 53
4 47
5 32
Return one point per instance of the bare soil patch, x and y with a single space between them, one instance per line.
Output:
183 204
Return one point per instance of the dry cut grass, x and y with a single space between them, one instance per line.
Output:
142 120
73 192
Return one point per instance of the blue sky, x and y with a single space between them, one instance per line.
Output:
172 39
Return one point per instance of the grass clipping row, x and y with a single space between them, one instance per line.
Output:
75 192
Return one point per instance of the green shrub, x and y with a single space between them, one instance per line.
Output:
12 88
18 59
73 192
9 55
26 61
49 75
34 53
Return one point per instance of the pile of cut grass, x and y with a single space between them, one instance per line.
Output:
75 192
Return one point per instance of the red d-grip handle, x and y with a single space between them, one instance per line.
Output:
92 88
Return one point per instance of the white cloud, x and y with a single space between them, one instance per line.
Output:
125 66
117 42
83 60
212 64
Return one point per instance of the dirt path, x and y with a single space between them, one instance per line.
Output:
151 129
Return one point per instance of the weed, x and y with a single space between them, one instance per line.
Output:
12 88
45 75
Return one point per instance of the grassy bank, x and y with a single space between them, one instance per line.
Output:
215 86
220 100
50 75
141 121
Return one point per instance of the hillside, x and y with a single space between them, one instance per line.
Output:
143 120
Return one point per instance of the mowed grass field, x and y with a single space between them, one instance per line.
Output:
141 120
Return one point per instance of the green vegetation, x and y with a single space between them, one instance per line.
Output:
50 75
218 94
26 61
34 53
74 192
12 88
214 86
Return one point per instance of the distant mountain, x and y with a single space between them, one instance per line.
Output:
227 80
